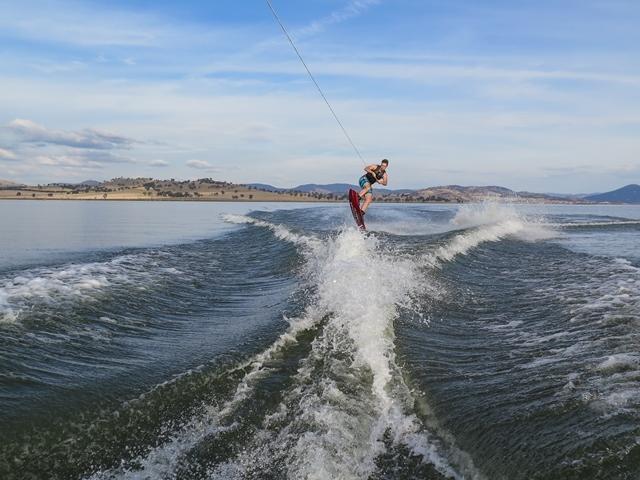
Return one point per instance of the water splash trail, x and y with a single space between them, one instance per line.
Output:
487 223
347 403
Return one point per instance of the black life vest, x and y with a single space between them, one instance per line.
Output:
379 174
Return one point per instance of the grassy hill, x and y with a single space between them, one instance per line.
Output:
153 189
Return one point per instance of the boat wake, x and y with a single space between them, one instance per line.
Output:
344 408
486 223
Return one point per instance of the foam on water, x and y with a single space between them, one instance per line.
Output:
610 223
613 307
601 299
348 392
7 314
613 295
328 398
362 295
487 222
620 362
165 458
409 221
71 282
347 399
279 231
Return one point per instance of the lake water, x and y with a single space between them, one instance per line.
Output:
249 340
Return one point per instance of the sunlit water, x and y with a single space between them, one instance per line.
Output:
209 340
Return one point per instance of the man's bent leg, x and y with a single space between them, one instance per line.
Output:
364 191
367 200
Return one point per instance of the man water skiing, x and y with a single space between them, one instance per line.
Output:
375 173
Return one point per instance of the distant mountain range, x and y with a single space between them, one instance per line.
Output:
335 188
447 193
89 183
628 194
458 193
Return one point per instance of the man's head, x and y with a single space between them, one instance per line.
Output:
384 164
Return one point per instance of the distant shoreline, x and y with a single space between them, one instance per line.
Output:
210 190
201 200
306 200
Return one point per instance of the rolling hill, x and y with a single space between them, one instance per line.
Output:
334 188
627 194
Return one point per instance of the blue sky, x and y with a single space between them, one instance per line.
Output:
533 95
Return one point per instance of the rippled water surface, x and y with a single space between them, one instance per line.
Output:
208 340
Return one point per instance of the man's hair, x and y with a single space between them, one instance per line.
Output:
385 161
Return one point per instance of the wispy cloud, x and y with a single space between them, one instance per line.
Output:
201 165
67 161
40 149
352 9
425 72
106 26
7 154
158 163
29 131
75 24
81 159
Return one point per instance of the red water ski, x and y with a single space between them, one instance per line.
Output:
354 201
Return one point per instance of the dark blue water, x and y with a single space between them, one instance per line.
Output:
179 340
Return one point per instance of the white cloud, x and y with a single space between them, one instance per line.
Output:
158 163
423 72
29 131
352 9
67 161
417 136
81 159
49 67
76 24
93 25
7 154
200 165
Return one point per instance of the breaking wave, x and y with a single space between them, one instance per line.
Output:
487 222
